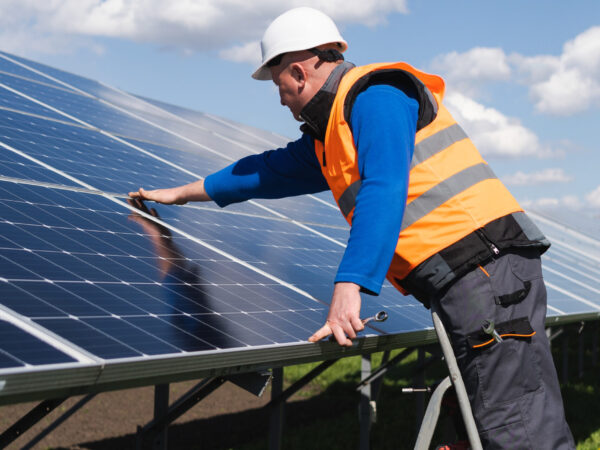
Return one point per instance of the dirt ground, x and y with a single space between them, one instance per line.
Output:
110 420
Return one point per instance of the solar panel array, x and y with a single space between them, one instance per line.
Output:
93 290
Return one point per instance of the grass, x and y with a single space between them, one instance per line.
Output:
325 415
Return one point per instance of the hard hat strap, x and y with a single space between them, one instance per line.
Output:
329 55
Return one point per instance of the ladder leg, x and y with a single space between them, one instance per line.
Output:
431 415
457 381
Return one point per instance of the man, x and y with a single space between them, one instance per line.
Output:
425 211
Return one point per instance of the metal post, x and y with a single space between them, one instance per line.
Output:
565 358
364 405
595 344
457 381
161 408
419 382
179 407
376 384
580 352
276 418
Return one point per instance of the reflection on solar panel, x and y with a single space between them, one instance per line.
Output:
94 291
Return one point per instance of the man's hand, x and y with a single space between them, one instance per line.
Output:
170 196
343 319
179 195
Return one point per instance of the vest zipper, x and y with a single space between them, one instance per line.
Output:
487 242
324 160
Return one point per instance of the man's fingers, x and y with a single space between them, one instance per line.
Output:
358 324
347 327
340 336
322 332
332 328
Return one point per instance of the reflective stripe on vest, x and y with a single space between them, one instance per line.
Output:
431 199
347 200
436 143
444 191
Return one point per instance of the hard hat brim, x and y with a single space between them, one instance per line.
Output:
262 73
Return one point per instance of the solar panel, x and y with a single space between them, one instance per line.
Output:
95 292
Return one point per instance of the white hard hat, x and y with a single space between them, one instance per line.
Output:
297 29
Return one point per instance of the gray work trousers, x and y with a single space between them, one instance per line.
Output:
512 385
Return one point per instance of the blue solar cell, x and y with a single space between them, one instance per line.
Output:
145 276
254 330
298 327
178 330
261 139
77 81
10 100
136 338
10 67
58 299
91 339
7 362
84 153
18 347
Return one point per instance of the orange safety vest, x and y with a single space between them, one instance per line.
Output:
452 191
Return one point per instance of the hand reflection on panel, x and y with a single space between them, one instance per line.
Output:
196 324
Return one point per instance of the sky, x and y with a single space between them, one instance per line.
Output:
522 77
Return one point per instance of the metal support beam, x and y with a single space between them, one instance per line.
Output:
384 367
279 396
29 420
161 408
376 384
284 395
419 382
565 358
595 344
581 351
366 406
276 406
54 425
162 417
552 336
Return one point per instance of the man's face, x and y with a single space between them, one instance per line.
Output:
291 85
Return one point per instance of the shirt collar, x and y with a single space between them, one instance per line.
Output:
315 114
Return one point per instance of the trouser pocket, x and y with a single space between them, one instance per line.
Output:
506 370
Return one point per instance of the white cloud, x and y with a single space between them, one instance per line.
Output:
246 53
186 25
552 175
573 202
534 69
467 71
593 198
569 83
559 85
493 132
567 201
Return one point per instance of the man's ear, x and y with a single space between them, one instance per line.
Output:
299 74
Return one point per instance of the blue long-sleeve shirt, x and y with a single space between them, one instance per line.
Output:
383 122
